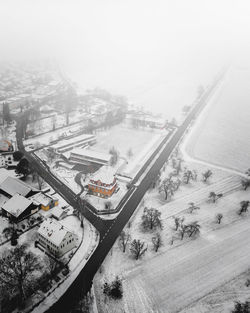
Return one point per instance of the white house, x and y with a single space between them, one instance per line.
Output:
56 238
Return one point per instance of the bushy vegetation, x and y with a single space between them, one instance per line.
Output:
114 289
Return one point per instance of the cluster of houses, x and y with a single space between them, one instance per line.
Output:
18 201
77 150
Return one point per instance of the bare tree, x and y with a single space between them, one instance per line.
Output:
245 183
108 205
151 218
169 186
157 241
178 221
206 175
187 176
192 207
193 228
124 239
16 269
219 217
138 248
214 196
244 206
182 230
248 172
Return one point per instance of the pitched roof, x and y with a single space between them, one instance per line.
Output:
91 154
58 212
12 186
53 230
105 175
16 205
41 198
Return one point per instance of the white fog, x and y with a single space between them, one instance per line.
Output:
124 156
154 52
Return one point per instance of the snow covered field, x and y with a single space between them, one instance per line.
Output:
183 272
190 275
221 136
123 138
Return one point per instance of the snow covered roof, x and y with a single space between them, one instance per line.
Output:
73 140
12 186
91 154
16 205
53 230
41 198
105 175
57 212
4 174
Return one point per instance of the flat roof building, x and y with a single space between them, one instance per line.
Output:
68 144
83 156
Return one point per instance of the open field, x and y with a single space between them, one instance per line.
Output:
221 299
183 272
123 138
221 136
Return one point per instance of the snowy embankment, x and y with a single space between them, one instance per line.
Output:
220 136
135 165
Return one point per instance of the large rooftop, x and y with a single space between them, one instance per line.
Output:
91 154
16 205
53 230
73 140
12 186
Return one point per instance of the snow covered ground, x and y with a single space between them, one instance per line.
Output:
221 134
45 139
55 121
221 299
182 272
67 177
124 138
185 271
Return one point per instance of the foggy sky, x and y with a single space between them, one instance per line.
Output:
128 46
